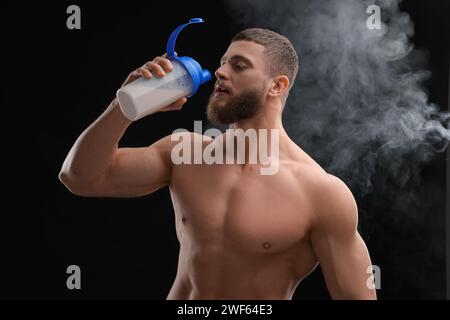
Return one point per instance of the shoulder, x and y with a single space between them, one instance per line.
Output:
334 210
182 134
184 146
185 138
325 189
335 206
179 139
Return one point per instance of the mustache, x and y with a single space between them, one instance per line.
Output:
222 86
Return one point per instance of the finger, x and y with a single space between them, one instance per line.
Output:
144 72
164 63
155 68
165 55
133 76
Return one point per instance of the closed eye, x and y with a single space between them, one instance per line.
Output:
238 62
240 66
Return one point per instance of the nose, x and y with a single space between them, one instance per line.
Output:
221 73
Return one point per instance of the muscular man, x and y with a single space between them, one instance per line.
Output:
243 235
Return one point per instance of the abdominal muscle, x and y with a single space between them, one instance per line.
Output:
217 272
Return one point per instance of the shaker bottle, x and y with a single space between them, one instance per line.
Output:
146 96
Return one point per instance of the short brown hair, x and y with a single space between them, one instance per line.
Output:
282 59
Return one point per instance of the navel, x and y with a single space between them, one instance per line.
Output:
183 219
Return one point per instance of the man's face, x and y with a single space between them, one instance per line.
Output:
241 84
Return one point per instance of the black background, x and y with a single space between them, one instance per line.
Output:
60 80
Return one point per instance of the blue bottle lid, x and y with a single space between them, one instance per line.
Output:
199 76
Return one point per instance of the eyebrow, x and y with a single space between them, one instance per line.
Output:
237 57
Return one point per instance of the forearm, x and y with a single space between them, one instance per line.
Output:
94 150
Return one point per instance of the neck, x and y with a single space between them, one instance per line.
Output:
269 118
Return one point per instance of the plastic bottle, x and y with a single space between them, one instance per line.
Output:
146 96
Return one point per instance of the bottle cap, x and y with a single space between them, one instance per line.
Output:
199 76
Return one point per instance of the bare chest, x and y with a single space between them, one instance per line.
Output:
240 210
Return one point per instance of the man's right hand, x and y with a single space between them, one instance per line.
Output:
157 67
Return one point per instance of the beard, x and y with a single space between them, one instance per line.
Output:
227 109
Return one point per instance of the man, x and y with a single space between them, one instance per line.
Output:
243 235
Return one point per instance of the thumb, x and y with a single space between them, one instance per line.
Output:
165 54
176 105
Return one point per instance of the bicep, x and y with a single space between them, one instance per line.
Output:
136 172
344 264
341 251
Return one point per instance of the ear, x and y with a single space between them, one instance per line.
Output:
279 86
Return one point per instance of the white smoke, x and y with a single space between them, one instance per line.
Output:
358 104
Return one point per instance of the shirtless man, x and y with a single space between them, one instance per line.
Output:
243 235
